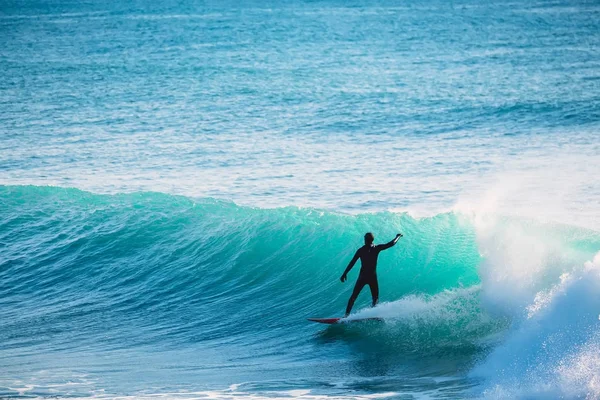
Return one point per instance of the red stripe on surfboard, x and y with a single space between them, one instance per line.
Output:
325 320
331 321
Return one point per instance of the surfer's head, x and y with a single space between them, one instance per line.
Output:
369 238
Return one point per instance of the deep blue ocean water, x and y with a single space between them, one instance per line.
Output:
183 183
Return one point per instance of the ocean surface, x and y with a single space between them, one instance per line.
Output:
182 183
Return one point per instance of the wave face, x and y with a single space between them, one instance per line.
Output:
208 294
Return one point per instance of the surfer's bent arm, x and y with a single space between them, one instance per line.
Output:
350 265
389 244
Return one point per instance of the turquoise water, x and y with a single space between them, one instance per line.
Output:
182 184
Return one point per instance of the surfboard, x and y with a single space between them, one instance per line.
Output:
331 321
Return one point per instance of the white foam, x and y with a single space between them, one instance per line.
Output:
532 273
22 390
555 351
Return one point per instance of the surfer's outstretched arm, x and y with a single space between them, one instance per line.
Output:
350 265
389 244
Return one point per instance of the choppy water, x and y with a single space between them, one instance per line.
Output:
183 184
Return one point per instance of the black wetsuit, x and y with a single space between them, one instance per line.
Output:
368 271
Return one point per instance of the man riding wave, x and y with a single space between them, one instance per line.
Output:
368 275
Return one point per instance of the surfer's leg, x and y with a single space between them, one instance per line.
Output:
374 286
357 288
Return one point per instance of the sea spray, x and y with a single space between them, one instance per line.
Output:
554 350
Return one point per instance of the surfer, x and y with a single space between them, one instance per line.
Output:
368 275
